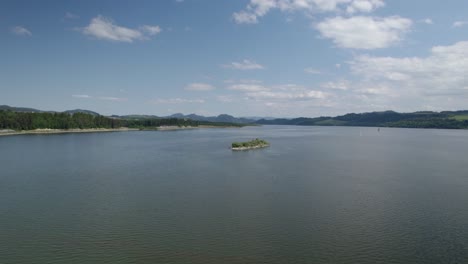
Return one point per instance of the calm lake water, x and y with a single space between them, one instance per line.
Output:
317 195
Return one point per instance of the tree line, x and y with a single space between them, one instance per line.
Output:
447 120
30 121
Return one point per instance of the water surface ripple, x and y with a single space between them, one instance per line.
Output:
317 195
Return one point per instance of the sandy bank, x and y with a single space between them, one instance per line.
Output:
9 132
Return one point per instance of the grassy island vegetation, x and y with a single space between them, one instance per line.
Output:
255 143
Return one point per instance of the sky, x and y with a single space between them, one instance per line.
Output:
266 58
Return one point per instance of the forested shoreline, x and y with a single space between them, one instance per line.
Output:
30 121
444 120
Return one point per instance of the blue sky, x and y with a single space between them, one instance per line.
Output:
282 58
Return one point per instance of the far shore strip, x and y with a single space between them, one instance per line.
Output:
9 132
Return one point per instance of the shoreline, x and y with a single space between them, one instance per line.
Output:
170 128
46 131
249 148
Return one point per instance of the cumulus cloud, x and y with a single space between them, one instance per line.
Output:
244 17
436 82
285 92
151 30
104 28
364 6
362 32
244 65
199 87
301 95
338 85
427 21
259 8
459 23
21 31
420 79
247 87
352 31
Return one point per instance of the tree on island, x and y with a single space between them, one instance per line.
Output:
250 144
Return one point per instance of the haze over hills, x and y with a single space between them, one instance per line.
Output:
20 109
33 110
82 111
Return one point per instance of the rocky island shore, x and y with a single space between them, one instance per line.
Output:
253 144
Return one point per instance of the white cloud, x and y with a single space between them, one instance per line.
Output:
312 71
104 28
199 87
302 95
285 92
362 32
369 89
21 31
177 101
437 81
244 65
243 81
151 30
104 98
81 96
245 87
427 21
115 99
259 8
69 15
365 6
244 17
420 80
339 85
459 23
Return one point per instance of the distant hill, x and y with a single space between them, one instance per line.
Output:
81 111
223 118
32 110
426 119
136 117
19 109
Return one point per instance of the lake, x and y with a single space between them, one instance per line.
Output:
317 195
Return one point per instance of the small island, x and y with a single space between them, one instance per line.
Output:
253 144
